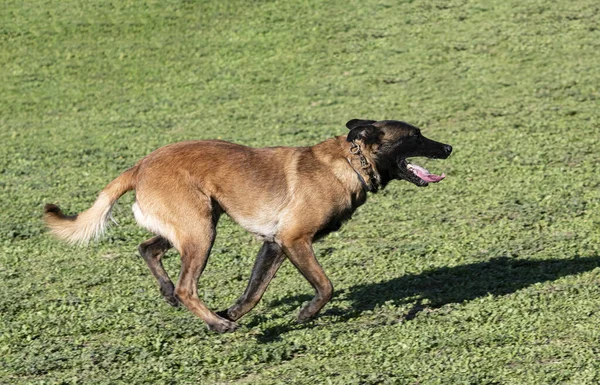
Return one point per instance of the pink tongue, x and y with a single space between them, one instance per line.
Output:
426 175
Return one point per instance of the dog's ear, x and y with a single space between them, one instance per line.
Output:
368 133
358 122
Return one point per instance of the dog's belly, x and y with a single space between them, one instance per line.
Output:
264 226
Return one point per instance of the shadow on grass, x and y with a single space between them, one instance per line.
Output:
441 286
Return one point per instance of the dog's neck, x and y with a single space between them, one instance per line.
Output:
363 167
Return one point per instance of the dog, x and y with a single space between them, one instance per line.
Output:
287 196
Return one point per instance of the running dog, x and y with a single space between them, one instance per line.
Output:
287 196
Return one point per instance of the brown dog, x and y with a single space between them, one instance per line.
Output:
289 197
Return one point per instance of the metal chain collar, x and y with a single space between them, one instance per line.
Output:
365 165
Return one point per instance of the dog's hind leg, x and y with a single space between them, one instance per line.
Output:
194 252
267 263
301 254
152 251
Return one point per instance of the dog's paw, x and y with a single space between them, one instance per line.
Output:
169 295
225 314
222 326
172 300
304 316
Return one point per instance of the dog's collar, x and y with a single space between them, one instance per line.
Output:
374 183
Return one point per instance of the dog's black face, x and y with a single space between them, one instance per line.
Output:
395 141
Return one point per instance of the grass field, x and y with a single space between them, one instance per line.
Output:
489 277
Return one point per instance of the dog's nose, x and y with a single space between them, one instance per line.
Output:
447 149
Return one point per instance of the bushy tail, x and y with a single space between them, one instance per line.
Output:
80 228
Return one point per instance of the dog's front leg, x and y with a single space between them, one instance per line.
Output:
300 253
267 263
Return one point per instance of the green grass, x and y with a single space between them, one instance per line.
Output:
490 277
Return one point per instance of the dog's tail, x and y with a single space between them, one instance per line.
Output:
80 228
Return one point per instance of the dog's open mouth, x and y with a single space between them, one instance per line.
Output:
419 175
422 173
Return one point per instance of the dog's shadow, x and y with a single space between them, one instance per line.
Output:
435 288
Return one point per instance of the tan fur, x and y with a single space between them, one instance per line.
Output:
258 188
92 223
283 195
